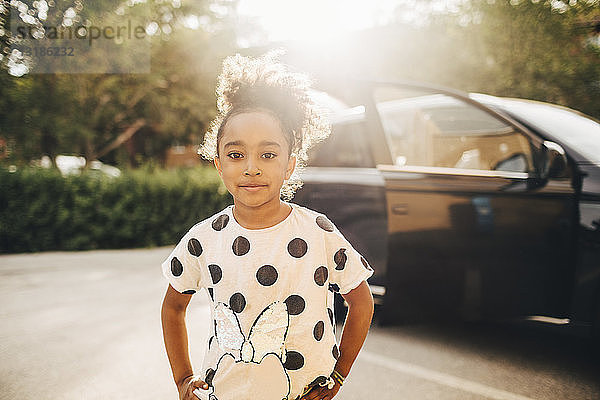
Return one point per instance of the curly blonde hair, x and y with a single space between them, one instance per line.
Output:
264 84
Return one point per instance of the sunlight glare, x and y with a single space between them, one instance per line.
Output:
316 20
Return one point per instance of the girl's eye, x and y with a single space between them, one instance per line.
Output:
271 155
234 155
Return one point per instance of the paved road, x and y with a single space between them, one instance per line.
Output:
86 325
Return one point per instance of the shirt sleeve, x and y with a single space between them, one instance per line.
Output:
183 267
347 267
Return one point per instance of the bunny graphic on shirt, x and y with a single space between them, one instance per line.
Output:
258 359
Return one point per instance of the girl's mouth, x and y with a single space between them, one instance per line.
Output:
253 188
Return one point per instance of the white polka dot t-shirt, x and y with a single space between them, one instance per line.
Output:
271 293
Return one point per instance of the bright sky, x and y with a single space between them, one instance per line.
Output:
322 20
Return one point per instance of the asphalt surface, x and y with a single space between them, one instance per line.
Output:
86 325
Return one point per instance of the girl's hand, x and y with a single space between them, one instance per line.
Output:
321 392
187 386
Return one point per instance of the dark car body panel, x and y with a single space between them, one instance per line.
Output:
481 248
355 200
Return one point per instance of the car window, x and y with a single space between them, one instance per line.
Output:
346 146
575 129
425 128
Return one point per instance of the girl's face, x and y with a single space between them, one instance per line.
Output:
253 158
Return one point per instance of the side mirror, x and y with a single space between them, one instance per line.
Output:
555 165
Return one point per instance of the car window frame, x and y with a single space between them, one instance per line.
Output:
536 142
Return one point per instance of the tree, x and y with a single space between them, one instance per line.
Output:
532 49
94 114
537 49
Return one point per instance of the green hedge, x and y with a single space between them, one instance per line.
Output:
40 210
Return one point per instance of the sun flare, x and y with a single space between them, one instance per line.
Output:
315 20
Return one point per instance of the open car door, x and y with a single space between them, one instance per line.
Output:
473 230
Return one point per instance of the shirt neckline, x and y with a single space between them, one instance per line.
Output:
267 229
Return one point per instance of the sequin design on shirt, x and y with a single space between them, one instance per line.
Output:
259 358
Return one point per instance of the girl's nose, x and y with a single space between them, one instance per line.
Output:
252 168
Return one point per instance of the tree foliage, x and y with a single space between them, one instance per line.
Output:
545 50
94 114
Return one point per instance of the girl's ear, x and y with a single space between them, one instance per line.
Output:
217 164
290 167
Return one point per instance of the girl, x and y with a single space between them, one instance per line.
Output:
270 266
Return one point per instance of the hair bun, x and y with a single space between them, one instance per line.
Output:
245 79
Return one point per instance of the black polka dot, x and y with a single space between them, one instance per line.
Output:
240 246
266 275
321 274
210 374
293 360
318 330
220 222
191 291
237 302
215 273
194 247
297 247
295 304
324 223
340 259
365 263
176 267
330 312
211 292
334 287
335 351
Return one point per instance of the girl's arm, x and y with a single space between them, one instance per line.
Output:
176 341
360 313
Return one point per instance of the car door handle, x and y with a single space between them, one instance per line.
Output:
400 209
